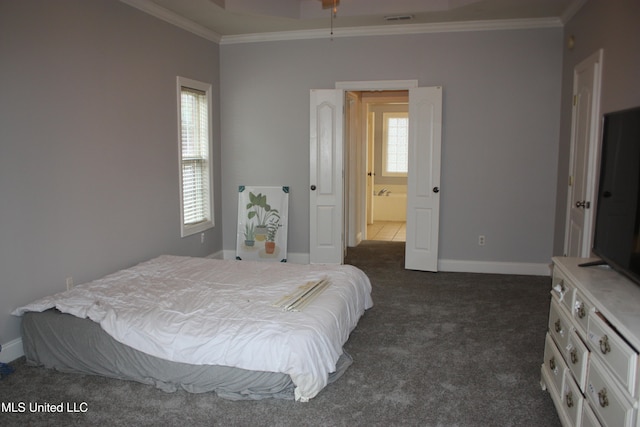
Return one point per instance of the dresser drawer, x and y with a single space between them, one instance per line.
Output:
572 399
607 401
559 324
589 418
616 354
562 289
581 310
577 357
554 365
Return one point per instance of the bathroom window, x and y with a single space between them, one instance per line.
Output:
395 144
194 126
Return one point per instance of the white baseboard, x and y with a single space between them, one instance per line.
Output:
295 258
523 268
11 351
216 255
452 265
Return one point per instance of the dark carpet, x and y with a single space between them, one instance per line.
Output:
437 349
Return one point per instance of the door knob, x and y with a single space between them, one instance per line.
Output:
436 189
583 204
313 188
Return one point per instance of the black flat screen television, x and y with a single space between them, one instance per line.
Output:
617 225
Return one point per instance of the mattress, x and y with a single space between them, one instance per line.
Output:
69 344
199 311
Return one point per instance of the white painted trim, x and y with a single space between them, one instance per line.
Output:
11 351
571 11
392 30
451 265
377 85
216 255
173 18
292 257
166 15
523 268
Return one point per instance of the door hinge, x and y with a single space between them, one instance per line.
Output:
575 100
570 180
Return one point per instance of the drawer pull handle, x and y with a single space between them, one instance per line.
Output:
574 356
580 310
602 398
558 326
604 345
569 399
552 364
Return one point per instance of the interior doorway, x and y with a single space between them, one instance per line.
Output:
335 170
377 146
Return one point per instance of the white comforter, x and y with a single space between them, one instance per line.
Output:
205 311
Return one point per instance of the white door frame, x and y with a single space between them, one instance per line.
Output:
342 87
360 162
353 177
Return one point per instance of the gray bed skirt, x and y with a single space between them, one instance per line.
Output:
69 344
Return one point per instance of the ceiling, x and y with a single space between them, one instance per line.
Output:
228 19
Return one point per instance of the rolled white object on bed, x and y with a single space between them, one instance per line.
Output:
305 294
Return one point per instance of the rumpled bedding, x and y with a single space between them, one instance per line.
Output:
212 312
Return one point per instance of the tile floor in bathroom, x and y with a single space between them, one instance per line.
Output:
395 231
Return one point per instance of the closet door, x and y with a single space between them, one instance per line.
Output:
326 177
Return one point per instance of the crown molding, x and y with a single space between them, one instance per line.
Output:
173 18
571 11
324 33
400 29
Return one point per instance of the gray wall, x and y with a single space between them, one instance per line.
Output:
614 27
500 132
88 144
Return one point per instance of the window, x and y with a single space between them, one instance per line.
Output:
194 127
395 144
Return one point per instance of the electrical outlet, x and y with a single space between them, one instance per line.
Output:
69 283
481 240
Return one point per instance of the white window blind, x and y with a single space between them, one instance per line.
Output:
195 157
395 144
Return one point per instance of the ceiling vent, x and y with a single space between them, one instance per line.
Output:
398 18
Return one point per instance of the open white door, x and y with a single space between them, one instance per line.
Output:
585 146
423 183
326 177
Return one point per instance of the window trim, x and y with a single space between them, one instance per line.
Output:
190 229
385 135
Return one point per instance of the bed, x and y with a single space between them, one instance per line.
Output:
244 329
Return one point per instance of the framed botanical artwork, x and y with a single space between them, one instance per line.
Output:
262 223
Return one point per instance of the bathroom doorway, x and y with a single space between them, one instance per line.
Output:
382 118
338 212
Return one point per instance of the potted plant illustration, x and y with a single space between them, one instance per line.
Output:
259 209
272 230
249 234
